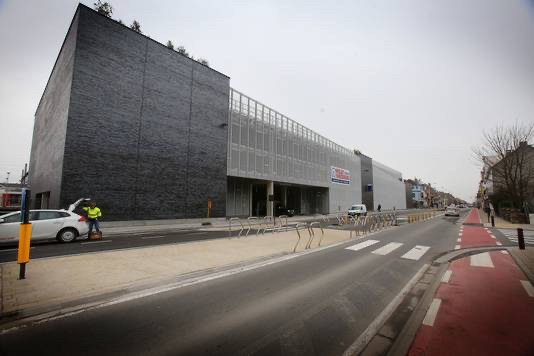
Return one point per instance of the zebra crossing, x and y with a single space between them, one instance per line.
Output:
511 234
413 254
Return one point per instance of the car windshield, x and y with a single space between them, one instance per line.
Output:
356 207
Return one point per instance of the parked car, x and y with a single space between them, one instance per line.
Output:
63 225
282 210
357 210
452 211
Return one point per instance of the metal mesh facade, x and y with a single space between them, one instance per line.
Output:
264 144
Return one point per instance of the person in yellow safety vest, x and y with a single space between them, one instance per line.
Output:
93 214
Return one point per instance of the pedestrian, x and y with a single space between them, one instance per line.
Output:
379 207
93 214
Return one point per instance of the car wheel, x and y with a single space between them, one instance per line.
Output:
67 235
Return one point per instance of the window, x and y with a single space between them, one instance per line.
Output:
12 218
47 215
369 187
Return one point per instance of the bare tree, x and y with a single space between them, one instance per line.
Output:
204 61
136 26
103 8
170 44
506 151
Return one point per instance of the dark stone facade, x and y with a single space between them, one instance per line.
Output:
146 135
48 145
367 181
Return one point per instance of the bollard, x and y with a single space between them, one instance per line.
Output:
493 221
520 239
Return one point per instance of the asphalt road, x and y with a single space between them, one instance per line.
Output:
318 303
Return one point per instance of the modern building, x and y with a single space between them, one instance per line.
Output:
152 134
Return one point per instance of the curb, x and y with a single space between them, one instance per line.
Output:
404 339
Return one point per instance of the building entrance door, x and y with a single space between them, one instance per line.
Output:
259 200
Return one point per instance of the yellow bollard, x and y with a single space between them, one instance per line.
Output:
25 233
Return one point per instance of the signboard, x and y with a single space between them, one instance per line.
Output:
339 175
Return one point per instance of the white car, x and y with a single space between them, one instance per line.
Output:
63 225
452 211
357 210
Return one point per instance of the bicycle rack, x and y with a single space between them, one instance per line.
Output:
268 221
250 220
281 218
230 227
312 233
299 226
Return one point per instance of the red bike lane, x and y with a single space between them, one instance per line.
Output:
483 306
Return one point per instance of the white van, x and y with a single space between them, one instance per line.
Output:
357 210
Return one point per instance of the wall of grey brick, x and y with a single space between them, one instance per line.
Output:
388 186
367 178
146 136
50 125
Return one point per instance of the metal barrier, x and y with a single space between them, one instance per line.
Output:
312 233
230 227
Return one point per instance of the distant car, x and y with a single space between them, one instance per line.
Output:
63 225
452 211
357 210
282 210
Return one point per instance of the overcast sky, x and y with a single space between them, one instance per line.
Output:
409 83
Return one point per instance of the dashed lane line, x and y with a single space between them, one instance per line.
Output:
446 276
13 249
528 288
390 247
95 242
152 237
432 312
482 260
362 245
416 253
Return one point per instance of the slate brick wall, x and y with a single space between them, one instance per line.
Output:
50 125
146 135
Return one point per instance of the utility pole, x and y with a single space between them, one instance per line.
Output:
24 176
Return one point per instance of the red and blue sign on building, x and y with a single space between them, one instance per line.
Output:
339 175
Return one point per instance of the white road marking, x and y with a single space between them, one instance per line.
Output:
457 247
95 242
492 236
498 243
482 260
446 276
416 253
13 249
460 234
459 240
432 312
362 245
528 287
152 237
384 250
504 252
358 345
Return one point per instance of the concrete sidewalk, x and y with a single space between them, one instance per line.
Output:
500 223
55 282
